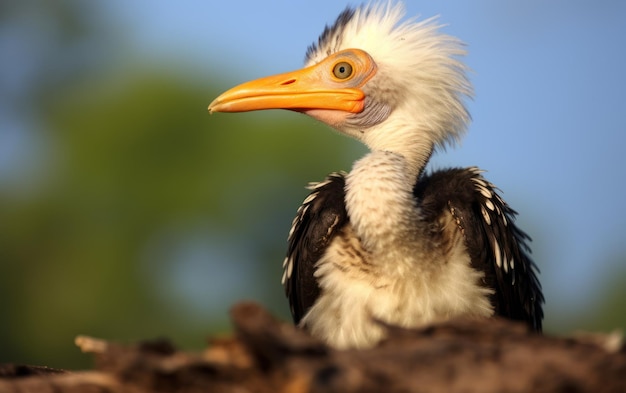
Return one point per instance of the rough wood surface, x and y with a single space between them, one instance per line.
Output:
265 355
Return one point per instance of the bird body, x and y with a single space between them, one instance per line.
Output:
458 260
387 241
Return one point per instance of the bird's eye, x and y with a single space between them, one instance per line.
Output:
342 70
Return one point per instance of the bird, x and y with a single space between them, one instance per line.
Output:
390 241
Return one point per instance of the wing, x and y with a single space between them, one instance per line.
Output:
319 218
496 245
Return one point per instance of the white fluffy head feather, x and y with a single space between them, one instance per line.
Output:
419 75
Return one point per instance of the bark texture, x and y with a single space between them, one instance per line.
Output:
265 355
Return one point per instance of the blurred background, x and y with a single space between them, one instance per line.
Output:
128 212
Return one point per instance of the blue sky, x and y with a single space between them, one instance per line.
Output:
548 113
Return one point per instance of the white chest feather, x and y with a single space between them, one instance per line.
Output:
385 265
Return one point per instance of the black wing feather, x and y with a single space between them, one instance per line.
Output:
495 244
319 218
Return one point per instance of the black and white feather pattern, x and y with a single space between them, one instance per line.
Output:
497 247
319 217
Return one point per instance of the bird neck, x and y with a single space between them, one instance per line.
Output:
417 160
380 202
413 143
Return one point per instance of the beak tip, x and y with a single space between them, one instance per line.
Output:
212 106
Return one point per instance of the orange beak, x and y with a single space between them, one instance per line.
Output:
308 88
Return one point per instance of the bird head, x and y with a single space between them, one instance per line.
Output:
395 85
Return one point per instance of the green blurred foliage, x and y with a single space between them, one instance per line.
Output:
132 164
134 155
135 183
